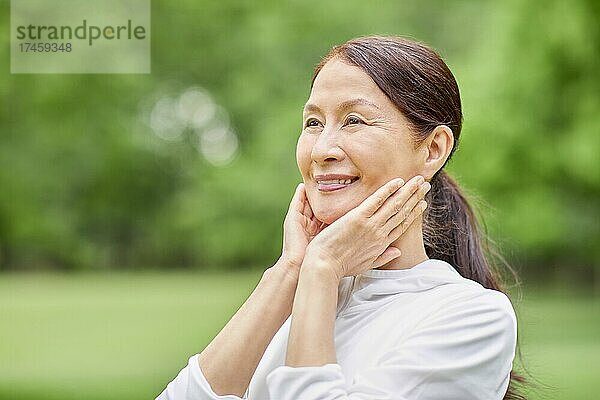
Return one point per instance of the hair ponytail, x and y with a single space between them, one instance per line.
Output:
451 232
420 84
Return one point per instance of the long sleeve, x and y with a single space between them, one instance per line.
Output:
190 384
464 350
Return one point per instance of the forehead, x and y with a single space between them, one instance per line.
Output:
339 81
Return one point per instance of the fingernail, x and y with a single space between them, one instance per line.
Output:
427 186
420 179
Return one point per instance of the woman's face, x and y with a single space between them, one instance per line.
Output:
351 131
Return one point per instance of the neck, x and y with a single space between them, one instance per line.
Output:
412 247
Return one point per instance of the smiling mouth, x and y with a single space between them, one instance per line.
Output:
331 185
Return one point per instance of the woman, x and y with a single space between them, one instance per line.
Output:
374 296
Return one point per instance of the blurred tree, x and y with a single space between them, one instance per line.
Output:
88 183
532 131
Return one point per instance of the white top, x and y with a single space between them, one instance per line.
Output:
421 333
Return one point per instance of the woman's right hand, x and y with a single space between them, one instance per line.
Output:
299 228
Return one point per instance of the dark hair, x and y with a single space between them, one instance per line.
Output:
420 84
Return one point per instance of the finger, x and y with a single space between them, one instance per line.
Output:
306 208
394 204
405 209
295 202
314 226
300 203
404 225
372 203
388 255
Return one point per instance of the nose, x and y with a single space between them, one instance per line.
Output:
326 148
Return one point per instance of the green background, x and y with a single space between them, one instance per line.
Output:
124 226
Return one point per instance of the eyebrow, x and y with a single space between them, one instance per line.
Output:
344 105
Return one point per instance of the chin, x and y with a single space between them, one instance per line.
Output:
330 215
328 218
329 210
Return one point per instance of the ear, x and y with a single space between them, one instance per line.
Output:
436 150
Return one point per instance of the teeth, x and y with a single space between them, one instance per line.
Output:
336 181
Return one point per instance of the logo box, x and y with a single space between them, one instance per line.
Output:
80 36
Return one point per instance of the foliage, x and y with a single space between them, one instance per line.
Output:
87 184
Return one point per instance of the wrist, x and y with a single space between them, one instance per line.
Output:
323 269
289 262
285 270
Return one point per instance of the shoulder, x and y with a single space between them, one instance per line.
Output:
462 296
464 293
471 334
468 292
466 308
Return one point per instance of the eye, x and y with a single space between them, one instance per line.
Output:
353 120
312 123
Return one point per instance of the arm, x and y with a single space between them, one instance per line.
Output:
226 366
311 333
229 361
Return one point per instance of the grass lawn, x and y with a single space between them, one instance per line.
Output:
559 334
125 335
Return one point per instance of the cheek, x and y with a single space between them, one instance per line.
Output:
396 159
303 151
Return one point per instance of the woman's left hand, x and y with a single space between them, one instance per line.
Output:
360 240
